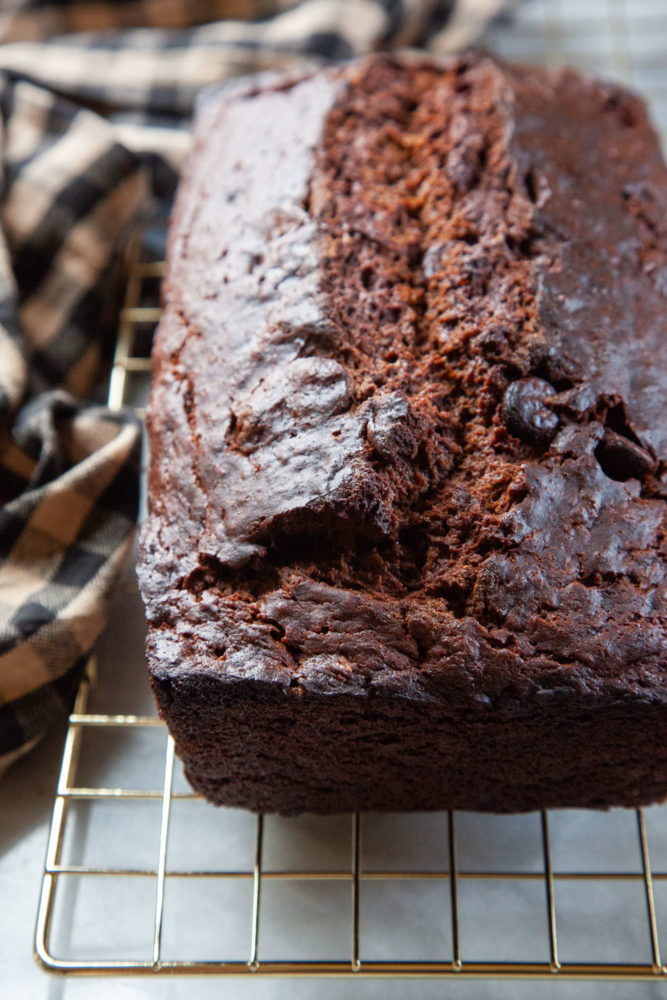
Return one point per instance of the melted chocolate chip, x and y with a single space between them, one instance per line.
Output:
622 459
525 413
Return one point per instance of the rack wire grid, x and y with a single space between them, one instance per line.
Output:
531 890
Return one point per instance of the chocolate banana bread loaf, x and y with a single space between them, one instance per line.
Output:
406 543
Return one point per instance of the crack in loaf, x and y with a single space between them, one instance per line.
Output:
408 439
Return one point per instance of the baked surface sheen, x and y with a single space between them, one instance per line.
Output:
406 543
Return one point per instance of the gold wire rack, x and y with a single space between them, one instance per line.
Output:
355 877
632 896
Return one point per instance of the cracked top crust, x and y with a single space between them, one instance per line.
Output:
409 418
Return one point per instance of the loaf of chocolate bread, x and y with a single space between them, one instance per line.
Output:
406 546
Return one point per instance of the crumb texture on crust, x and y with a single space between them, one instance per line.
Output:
409 422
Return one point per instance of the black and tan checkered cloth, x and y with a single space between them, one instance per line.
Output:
94 104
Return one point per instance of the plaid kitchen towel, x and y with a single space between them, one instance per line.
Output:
95 98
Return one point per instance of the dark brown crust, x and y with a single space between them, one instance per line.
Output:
406 544
350 753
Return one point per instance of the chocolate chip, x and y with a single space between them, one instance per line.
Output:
622 459
525 413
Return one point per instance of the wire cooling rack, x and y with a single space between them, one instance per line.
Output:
450 882
566 895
